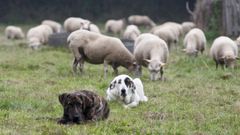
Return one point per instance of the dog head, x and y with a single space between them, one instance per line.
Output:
74 106
123 87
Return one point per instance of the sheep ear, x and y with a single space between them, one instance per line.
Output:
147 61
162 64
221 58
135 63
81 23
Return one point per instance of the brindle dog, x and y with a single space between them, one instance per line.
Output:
82 106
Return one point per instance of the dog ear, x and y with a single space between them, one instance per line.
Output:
129 83
112 85
62 98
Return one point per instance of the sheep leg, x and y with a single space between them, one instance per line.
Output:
74 66
216 65
138 72
114 66
78 60
81 65
161 74
105 63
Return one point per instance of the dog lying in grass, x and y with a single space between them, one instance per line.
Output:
82 106
129 91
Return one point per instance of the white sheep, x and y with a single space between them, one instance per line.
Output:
131 32
152 52
90 27
224 51
167 34
38 35
14 32
115 26
96 48
237 41
74 23
141 20
194 42
187 26
56 27
176 28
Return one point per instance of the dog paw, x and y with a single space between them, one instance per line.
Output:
126 107
62 121
145 99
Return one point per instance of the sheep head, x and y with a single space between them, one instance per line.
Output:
154 67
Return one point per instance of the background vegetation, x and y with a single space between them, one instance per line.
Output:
26 11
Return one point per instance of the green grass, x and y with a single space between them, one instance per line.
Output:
195 98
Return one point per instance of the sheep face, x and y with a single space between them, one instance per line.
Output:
154 67
34 43
229 61
192 53
132 66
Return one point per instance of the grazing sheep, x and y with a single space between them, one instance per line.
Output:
115 26
194 42
56 27
176 28
141 20
224 52
74 23
90 27
96 48
187 26
152 52
38 35
170 32
14 32
131 32
166 33
237 41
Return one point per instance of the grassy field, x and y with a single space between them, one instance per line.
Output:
195 98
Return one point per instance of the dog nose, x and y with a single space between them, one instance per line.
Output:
123 92
76 119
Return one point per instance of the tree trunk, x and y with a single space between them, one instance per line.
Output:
221 17
202 13
231 17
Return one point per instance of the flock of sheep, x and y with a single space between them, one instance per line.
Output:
151 49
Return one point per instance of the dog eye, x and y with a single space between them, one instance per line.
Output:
119 81
112 86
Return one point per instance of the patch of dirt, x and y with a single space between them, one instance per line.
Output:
50 82
155 115
226 76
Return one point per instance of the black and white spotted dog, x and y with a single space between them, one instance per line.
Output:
129 91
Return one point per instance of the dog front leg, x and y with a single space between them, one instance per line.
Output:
64 119
110 97
133 104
